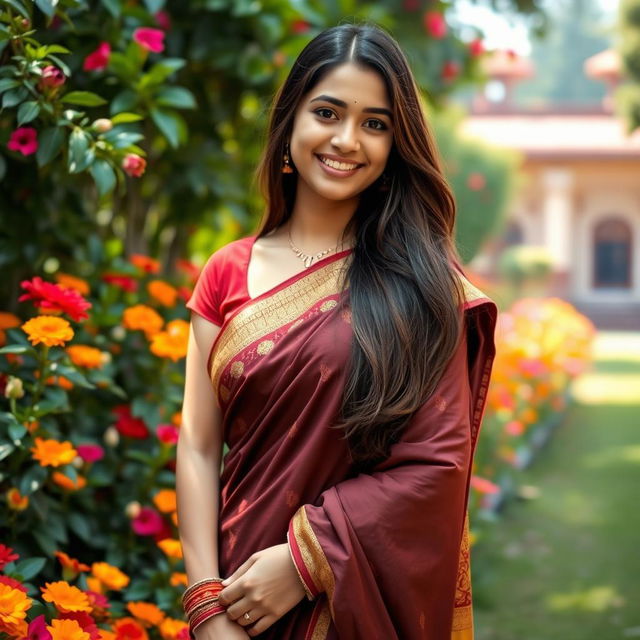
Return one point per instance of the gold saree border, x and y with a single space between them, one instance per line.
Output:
264 315
312 554
320 622
462 627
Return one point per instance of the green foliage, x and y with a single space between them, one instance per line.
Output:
522 263
628 95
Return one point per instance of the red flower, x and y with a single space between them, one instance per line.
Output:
99 59
14 584
476 181
52 77
167 433
86 622
134 165
98 600
53 297
148 522
6 556
24 140
482 485
149 39
37 629
300 26
190 269
90 452
129 425
476 48
163 20
450 70
126 283
435 24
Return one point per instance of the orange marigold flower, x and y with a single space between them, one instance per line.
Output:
173 342
8 320
163 292
14 605
52 453
171 547
178 579
147 613
110 576
67 483
147 264
16 501
174 518
176 418
105 634
171 627
19 629
95 585
84 356
60 381
73 282
50 330
165 500
66 629
71 563
143 318
65 596
129 629
32 426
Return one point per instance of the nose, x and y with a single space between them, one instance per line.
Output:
346 139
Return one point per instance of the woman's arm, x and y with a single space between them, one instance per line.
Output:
198 473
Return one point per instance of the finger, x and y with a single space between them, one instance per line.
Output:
262 625
254 616
238 608
242 569
231 594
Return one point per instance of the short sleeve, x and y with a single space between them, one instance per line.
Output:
205 299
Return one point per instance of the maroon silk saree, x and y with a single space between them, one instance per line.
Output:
385 554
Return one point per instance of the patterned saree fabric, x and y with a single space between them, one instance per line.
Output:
383 554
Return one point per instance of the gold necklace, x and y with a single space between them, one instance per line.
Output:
307 258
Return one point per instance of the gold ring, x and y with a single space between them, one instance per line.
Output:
247 616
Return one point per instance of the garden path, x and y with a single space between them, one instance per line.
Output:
565 565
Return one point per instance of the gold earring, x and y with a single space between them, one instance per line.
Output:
286 166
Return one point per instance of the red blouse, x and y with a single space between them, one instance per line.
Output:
222 285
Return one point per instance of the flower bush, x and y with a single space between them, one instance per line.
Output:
92 385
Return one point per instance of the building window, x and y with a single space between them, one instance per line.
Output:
513 235
612 255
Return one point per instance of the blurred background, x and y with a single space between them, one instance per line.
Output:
129 134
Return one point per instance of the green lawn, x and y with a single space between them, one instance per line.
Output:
566 565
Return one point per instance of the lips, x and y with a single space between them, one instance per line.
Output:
338 164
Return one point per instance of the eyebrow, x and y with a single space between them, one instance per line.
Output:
343 104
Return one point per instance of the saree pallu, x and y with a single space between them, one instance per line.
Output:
384 554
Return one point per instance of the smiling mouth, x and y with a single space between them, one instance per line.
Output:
339 166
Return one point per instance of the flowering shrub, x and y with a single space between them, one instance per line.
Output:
87 466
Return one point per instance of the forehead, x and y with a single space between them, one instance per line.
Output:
349 82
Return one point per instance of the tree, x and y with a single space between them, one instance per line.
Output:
628 95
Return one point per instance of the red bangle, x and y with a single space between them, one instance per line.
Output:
204 615
200 594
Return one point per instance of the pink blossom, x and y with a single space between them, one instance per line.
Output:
163 20
99 59
38 629
476 181
148 522
514 428
450 70
52 77
435 24
167 433
149 39
134 165
476 47
90 452
24 140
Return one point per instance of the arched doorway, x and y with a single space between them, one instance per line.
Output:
612 251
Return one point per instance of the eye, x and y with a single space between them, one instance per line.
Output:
323 111
379 125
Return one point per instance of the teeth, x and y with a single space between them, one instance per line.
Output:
342 166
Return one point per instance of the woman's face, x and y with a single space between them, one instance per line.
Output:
342 133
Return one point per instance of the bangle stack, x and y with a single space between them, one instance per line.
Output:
200 602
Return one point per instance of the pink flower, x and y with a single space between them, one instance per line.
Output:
134 165
163 20
476 48
450 70
99 59
514 428
6 556
167 433
300 26
148 522
482 485
126 283
53 297
435 24
476 181
149 39
24 140
84 620
38 629
90 452
52 77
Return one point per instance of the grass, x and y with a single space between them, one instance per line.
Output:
566 565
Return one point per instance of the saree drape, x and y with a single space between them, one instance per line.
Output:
384 554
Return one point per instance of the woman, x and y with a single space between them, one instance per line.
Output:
350 360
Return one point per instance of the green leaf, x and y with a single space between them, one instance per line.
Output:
138 590
49 144
55 48
18 348
47 544
19 7
169 125
74 375
83 98
47 6
161 71
78 147
17 431
32 480
13 97
30 567
153 6
112 6
57 527
3 167
125 117
177 97
8 83
124 101
63 67
103 175
6 450
28 111
80 526
123 66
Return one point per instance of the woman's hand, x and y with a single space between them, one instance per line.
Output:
220 628
266 586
